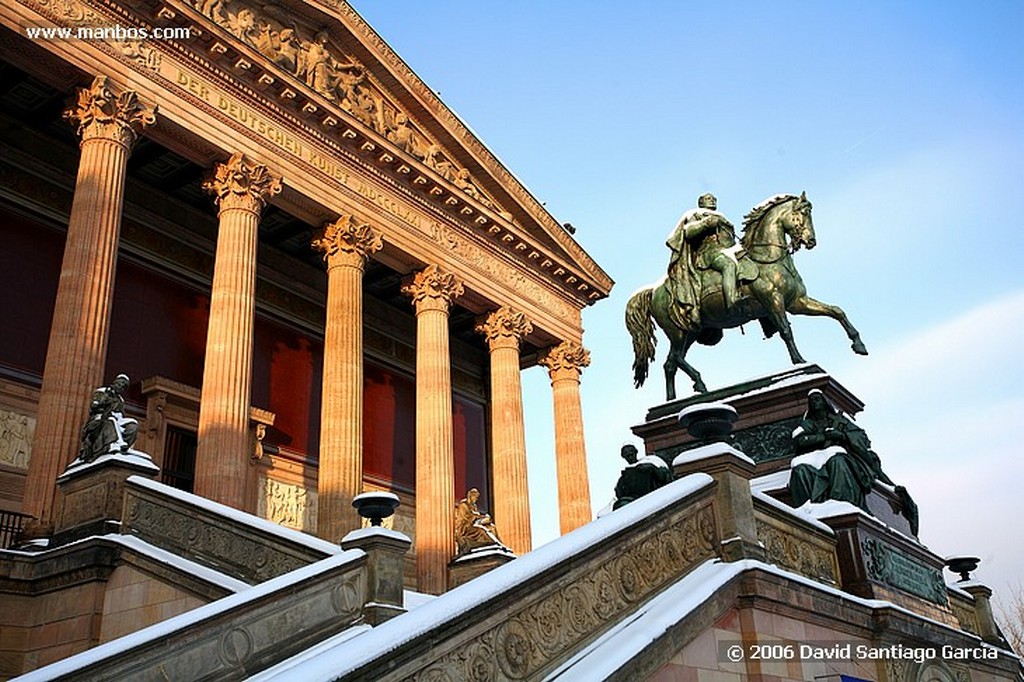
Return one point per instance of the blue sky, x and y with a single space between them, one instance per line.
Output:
903 122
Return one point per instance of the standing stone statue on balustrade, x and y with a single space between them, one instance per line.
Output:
107 431
715 283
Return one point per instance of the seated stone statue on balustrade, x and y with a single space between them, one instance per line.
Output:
108 431
847 467
473 529
640 476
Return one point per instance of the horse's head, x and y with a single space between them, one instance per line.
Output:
798 224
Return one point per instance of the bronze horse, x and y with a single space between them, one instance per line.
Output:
776 290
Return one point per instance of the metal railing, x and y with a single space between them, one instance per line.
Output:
11 525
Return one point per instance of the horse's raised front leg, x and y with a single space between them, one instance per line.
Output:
809 306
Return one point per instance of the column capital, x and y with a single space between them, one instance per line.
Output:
565 361
347 243
101 114
239 184
504 328
433 289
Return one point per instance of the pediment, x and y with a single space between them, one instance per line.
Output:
324 49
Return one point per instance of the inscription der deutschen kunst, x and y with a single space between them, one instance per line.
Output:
289 143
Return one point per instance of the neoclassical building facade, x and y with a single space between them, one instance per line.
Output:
317 278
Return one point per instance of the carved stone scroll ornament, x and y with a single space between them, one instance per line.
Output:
542 629
239 184
347 242
505 328
566 358
433 289
100 113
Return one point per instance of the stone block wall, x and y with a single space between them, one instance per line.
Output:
135 600
38 631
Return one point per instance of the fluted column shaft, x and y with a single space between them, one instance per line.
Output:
505 329
564 363
222 454
432 291
346 245
76 352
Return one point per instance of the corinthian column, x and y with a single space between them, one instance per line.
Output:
564 363
432 291
240 189
345 244
505 329
108 125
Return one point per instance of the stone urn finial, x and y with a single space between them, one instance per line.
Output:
963 565
708 422
376 506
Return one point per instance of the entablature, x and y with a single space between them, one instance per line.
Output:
308 77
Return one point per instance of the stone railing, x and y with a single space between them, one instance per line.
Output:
799 544
527 617
236 544
234 636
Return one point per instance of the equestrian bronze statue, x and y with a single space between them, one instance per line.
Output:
715 283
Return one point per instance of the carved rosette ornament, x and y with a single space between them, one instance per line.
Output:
433 289
347 243
241 185
565 360
505 328
99 113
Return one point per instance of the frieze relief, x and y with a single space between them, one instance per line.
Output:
228 551
965 615
479 258
796 554
92 25
540 632
313 60
287 504
16 434
512 184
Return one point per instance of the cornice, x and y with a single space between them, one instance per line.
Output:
247 70
461 133
255 81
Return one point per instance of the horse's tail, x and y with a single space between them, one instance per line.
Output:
641 329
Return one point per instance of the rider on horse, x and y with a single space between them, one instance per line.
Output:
702 240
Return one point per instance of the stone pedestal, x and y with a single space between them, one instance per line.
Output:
877 563
769 408
732 471
93 494
987 627
385 556
464 568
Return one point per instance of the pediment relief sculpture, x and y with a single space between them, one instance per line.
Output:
314 61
